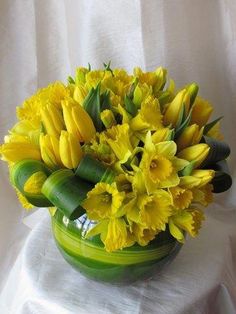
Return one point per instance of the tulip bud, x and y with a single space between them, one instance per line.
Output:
196 153
16 151
52 119
141 91
190 136
80 93
202 111
175 108
70 150
49 146
108 118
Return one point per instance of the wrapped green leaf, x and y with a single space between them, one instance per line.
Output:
21 172
94 171
219 150
222 180
66 191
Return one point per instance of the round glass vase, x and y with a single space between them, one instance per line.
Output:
89 257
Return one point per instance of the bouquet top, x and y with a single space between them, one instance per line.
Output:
132 152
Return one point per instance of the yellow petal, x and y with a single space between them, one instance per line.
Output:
197 153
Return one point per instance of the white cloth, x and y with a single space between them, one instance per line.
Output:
44 40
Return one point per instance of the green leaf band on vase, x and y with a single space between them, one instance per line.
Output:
122 266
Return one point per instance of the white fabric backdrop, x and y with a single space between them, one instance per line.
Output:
44 40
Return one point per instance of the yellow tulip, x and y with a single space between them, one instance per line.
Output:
80 93
197 179
176 106
70 150
52 119
190 136
34 184
161 135
49 146
16 151
202 111
141 91
196 153
78 121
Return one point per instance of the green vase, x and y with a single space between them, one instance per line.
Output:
122 266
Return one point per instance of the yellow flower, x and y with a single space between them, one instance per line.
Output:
118 137
16 150
80 92
190 136
78 121
143 235
52 119
93 78
202 111
49 146
159 165
108 118
155 209
182 99
104 201
34 184
117 234
198 178
149 116
24 201
182 198
27 129
161 135
30 110
203 195
141 92
70 150
215 132
185 220
80 75
196 153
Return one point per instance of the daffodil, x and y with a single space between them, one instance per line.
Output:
142 234
93 78
52 119
159 164
141 92
149 116
118 137
80 75
49 147
201 112
185 220
190 136
78 121
108 118
155 209
70 150
179 103
182 198
203 195
196 153
30 110
104 201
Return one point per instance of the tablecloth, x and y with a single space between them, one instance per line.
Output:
44 40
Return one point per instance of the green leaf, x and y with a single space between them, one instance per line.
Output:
183 125
70 80
130 106
21 172
219 150
222 180
105 100
92 104
94 171
67 192
187 170
210 125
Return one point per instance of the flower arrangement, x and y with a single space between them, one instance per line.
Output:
132 152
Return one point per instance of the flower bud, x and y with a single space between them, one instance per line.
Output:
190 136
52 119
70 150
196 153
108 118
202 111
49 146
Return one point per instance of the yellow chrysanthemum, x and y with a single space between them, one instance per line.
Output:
103 201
